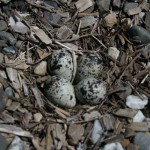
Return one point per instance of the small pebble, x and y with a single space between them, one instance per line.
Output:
135 102
139 117
9 91
110 20
3 25
113 52
37 117
41 68
97 132
113 146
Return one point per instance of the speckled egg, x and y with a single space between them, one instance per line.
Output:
60 91
90 64
90 91
60 63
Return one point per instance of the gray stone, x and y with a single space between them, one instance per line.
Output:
55 18
103 5
8 37
129 6
5 1
147 20
1 58
87 21
117 3
3 25
3 100
3 143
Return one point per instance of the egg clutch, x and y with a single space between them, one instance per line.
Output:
87 87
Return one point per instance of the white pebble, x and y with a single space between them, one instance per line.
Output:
139 117
97 131
136 102
113 52
113 146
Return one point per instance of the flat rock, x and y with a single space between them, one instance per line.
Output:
129 6
42 36
82 5
110 20
3 25
109 122
87 21
117 3
8 37
134 11
103 6
41 68
75 133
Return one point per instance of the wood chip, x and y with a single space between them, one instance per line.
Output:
139 126
15 130
129 113
42 36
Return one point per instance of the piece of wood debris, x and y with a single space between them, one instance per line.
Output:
14 130
42 36
114 138
36 92
139 126
129 113
144 6
7 118
108 121
75 133
49 140
14 106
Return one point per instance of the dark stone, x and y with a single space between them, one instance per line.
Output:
147 20
103 6
8 37
3 143
139 35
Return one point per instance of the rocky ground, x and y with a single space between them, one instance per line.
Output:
74 74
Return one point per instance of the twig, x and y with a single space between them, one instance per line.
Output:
135 90
129 65
99 41
39 6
